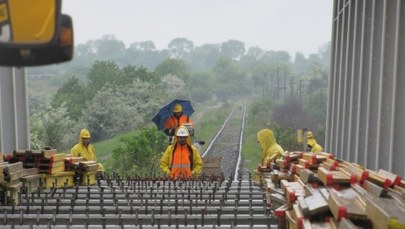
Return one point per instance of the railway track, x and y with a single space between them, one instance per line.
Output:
227 144
154 202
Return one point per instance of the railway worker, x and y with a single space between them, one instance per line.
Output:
181 159
176 120
312 145
270 149
86 150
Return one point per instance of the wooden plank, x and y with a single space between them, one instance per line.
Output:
333 177
310 158
50 164
277 200
304 163
347 224
14 176
395 179
292 156
313 205
47 153
72 160
347 203
291 219
329 166
299 168
31 171
57 157
12 168
281 214
321 225
299 216
282 163
307 176
374 189
53 170
385 212
360 174
377 179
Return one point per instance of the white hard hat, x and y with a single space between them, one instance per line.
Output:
182 132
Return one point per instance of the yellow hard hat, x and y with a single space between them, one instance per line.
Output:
177 108
309 134
85 133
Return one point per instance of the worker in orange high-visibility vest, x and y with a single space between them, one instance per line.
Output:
176 120
181 159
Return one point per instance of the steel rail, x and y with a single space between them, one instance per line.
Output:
218 133
236 173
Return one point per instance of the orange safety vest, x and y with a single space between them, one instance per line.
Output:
173 122
182 161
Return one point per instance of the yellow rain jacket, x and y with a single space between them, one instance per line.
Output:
315 147
88 153
177 161
270 149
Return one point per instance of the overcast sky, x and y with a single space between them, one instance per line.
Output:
290 25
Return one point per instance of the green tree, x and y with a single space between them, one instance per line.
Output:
173 67
73 95
49 128
174 87
140 153
109 114
144 54
101 73
109 48
130 73
255 52
204 57
300 63
200 86
118 109
143 46
233 49
179 47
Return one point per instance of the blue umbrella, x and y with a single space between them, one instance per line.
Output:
166 111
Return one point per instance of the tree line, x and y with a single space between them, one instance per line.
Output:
110 88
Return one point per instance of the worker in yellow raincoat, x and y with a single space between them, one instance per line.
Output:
181 159
313 146
270 149
85 149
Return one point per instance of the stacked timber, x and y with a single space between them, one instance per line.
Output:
11 185
52 170
320 191
43 168
86 172
72 162
29 158
31 180
52 164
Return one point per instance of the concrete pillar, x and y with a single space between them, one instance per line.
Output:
14 130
